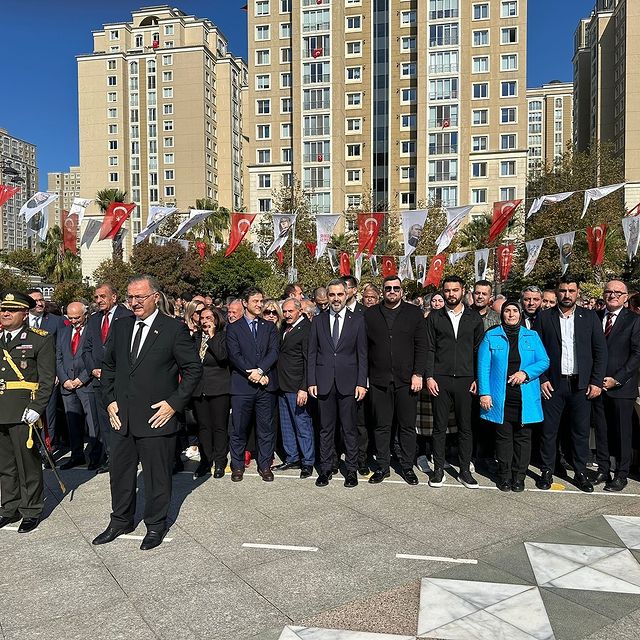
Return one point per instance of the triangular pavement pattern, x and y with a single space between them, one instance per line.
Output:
586 568
314 633
627 528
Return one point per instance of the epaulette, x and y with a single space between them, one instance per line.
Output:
40 332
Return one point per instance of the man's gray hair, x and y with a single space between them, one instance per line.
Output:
296 303
531 289
153 282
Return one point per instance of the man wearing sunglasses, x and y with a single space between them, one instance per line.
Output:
397 347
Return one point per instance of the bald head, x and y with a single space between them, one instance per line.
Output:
77 313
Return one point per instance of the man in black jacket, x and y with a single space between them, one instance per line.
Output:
575 344
612 411
454 334
295 421
397 346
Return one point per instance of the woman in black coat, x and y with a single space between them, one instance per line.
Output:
211 398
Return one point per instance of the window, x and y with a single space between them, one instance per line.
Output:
167 60
285 6
354 73
479 169
264 180
441 143
286 130
508 141
264 204
264 156
169 174
354 175
167 141
168 158
354 23
354 125
263 56
113 177
509 35
167 92
113 144
170 191
509 9
354 150
508 168
262 7
168 29
509 62
481 64
479 143
407 147
286 105
112 96
509 88
139 42
114 34
443 170
408 95
112 113
478 196
480 90
354 99
407 173
507 193
481 38
113 161
167 125
407 18
354 48
508 115
439 9
480 117
111 64
263 107
113 128
408 70
285 55
285 29
287 154
263 81
407 199
481 11
262 32
444 89
285 80
112 81
167 110
407 43
443 34
408 121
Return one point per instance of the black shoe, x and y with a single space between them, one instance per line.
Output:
103 468
504 485
92 466
237 475
152 540
285 466
110 534
28 524
617 484
437 477
266 474
583 483
218 472
410 477
71 463
545 480
335 470
178 467
351 480
364 470
517 486
378 476
323 479
5 520
465 478
305 471
201 471
601 478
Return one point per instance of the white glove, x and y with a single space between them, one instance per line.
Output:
30 416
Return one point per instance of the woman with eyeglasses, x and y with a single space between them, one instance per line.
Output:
271 312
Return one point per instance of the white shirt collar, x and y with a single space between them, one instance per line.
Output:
149 321
453 312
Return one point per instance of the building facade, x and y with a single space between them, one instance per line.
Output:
18 167
160 117
67 185
389 104
606 67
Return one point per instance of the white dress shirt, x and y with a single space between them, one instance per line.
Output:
10 335
34 321
455 319
145 331
569 361
614 317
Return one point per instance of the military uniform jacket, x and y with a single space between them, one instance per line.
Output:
33 352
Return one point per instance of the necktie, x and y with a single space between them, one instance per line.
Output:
254 329
203 346
288 329
6 337
104 330
136 342
609 325
75 341
37 321
335 332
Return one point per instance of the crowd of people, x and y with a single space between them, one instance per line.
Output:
323 382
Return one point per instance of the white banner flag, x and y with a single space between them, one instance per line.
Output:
455 217
358 272
325 224
405 271
533 252
333 258
536 205
282 225
78 207
37 202
91 230
38 225
195 217
598 192
156 216
412 224
481 263
456 257
421 268
373 262
631 229
565 244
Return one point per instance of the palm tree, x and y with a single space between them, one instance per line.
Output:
56 263
475 233
104 198
212 229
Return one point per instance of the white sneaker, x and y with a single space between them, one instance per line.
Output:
472 468
423 464
192 453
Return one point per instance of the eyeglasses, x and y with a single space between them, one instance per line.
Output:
393 288
139 298
615 294
270 312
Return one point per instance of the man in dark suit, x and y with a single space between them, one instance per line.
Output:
149 372
337 376
397 350
613 409
98 329
454 334
575 344
252 348
76 385
295 421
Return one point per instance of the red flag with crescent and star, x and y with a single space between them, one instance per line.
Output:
436 268
505 253
69 231
201 246
389 266
369 225
502 212
7 192
114 218
311 247
596 239
345 264
240 225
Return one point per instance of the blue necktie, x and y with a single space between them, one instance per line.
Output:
335 332
254 329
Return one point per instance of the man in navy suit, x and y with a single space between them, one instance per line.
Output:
574 341
252 348
76 385
98 330
337 376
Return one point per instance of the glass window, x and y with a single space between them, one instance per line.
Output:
480 64
480 90
479 143
509 9
262 7
508 168
508 141
480 116
479 169
509 62
481 11
509 88
478 196
509 35
508 115
481 38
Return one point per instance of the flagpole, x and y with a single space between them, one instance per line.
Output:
293 244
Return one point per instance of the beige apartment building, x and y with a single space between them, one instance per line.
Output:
606 68
390 103
550 110
160 117
67 185
17 168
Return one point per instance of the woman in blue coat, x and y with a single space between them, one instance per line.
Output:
511 359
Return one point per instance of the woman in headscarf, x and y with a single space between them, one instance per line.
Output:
511 358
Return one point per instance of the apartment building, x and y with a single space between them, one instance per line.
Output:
160 117
67 185
18 167
387 103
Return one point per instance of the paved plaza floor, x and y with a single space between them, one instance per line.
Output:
289 560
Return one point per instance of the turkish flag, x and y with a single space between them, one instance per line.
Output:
596 238
311 246
345 264
240 224
389 267
368 229
114 218
69 231
502 212
435 271
505 253
6 193
317 52
446 123
280 256
202 248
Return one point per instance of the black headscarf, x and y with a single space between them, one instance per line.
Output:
512 331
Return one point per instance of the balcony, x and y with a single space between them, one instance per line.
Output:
444 68
443 177
316 184
316 157
319 78
438 123
310 105
445 41
451 95
316 131
320 26
314 3
437 150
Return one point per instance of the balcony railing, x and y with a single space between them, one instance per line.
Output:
316 184
452 95
316 104
443 13
317 131
442 149
444 41
439 122
320 26
318 78
316 157
442 177
443 68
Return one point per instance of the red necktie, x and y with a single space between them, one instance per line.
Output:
105 327
75 341
609 324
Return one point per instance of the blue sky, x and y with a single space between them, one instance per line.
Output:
51 34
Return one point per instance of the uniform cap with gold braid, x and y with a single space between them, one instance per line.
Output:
16 301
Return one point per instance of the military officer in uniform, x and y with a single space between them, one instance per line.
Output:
27 374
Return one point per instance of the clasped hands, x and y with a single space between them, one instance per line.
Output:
163 414
257 377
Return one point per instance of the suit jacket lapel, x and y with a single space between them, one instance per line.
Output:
620 321
16 339
345 324
152 334
555 321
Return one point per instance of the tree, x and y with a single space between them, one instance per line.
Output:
70 290
104 198
12 280
23 259
55 262
213 229
116 273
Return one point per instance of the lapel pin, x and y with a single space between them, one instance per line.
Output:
155 331
23 336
